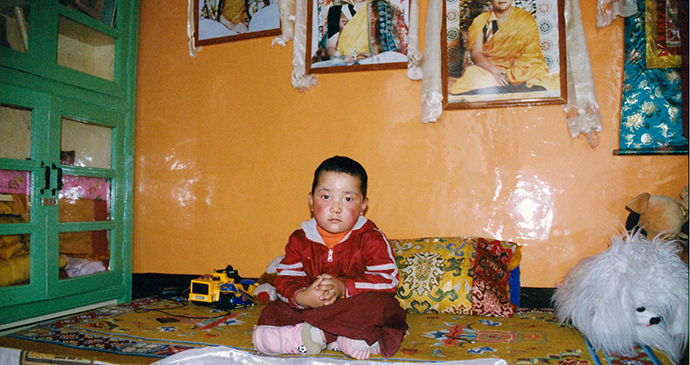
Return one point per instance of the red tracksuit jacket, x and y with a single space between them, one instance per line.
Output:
363 259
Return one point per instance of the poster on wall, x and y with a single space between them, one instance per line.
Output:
356 35
219 21
499 53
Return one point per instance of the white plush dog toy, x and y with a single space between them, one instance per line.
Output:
636 292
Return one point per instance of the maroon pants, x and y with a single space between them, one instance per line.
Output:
368 316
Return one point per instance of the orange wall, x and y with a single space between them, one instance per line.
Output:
226 149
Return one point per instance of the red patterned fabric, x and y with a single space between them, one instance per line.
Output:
490 287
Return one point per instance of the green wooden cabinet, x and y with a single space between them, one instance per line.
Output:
67 89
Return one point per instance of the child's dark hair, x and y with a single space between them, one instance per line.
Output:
345 165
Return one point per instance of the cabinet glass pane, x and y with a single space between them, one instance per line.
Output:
85 49
15 144
103 10
14 197
15 264
14 25
84 253
84 199
15 129
86 145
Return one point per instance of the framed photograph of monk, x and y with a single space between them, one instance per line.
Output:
499 53
219 21
356 35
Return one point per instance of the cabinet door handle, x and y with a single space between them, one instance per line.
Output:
60 185
47 178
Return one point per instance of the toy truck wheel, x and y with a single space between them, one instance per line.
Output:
225 301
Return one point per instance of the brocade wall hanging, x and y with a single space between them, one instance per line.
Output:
651 112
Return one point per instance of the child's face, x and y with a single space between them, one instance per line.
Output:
337 202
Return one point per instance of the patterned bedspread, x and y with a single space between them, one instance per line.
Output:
158 328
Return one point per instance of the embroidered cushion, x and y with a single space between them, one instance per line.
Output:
494 261
456 275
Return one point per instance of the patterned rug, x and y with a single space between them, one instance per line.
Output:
159 328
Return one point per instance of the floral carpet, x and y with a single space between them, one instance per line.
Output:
158 328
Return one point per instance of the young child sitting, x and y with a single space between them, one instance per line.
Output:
337 282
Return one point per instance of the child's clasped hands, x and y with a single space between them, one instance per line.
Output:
325 290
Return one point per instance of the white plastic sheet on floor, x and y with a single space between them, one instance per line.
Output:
10 356
226 355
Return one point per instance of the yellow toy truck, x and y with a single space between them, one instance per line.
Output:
224 289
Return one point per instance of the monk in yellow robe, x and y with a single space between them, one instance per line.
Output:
234 16
365 28
354 37
506 50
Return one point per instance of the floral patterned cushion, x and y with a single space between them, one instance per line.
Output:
457 275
